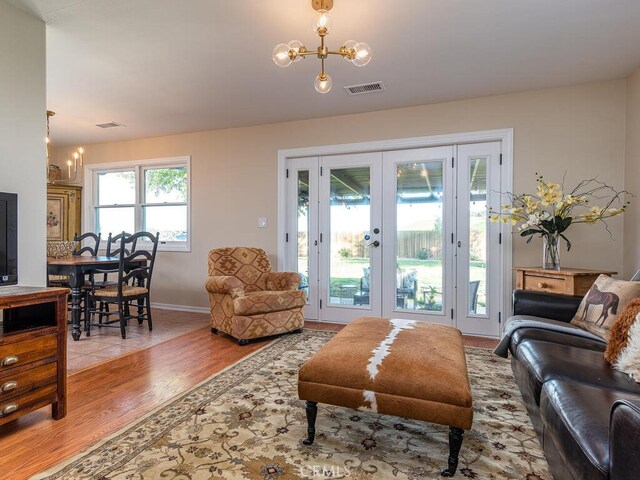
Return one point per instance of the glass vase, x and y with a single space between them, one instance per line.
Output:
551 252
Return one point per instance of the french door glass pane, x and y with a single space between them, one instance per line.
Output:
117 188
168 220
478 236
303 230
114 220
350 221
419 236
165 185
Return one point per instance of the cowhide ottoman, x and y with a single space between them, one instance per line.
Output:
397 367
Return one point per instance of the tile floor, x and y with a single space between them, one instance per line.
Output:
105 343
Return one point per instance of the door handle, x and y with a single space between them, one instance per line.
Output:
375 243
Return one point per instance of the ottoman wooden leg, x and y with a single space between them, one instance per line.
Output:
455 442
312 413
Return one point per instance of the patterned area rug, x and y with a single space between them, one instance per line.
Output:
247 422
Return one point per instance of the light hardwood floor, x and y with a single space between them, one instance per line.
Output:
108 396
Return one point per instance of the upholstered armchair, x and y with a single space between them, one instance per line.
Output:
250 301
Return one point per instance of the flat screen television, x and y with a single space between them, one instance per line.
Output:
8 239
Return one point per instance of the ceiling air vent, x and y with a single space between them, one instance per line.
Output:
365 88
109 125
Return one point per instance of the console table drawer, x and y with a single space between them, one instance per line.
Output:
544 284
566 281
16 354
16 383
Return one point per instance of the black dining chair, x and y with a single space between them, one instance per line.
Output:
90 247
135 269
112 250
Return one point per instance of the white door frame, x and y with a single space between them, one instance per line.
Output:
505 136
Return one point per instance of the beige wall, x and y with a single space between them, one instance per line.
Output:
632 176
577 130
22 131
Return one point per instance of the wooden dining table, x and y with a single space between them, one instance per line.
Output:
76 267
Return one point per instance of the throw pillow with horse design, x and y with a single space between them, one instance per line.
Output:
602 304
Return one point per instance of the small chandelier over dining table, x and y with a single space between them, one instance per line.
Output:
358 53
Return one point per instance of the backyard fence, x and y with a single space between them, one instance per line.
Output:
421 244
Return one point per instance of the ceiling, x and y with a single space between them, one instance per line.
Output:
164 66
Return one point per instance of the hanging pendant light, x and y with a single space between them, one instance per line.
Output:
358 53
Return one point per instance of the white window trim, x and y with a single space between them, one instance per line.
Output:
89 196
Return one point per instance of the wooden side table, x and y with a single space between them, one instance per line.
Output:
566 281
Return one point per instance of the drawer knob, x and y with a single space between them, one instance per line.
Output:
543 285
12 407
8 386
10 360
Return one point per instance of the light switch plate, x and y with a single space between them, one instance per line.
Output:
262 222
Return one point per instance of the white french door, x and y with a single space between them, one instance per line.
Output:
398 233
419 218
478 241
350 236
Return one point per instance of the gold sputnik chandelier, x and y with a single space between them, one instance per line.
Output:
358 53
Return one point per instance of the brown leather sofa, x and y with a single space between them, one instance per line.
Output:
586 414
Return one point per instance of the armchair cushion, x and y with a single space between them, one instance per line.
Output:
266 302
225 285
281 281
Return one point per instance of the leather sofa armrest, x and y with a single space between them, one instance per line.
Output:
225 285
282 281
545 305
624 438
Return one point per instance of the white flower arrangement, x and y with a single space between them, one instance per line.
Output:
551 211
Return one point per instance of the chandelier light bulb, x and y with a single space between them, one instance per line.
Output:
362 54
322 22
323 83
281 55
295 45
348 46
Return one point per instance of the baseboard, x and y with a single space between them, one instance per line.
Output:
180 308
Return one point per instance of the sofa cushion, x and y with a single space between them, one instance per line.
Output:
576 425
265 302
552 361
551 336
602 304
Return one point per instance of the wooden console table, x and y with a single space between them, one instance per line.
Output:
566 281
33 346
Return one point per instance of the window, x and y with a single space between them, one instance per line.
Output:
149 195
